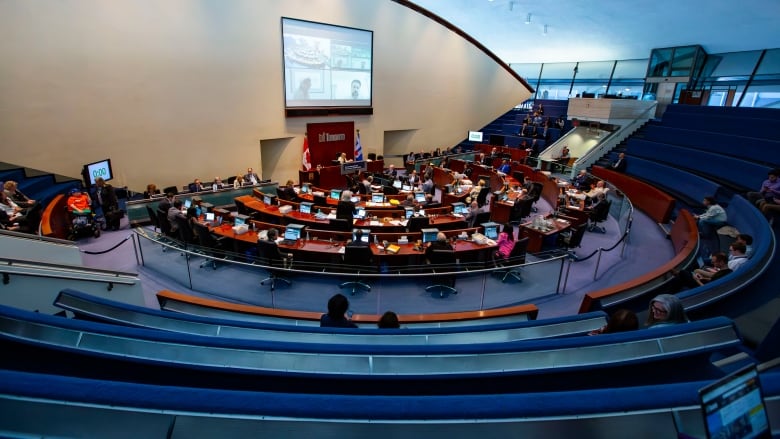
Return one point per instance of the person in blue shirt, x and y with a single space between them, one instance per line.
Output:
505 167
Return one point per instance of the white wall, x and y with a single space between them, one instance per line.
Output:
176 89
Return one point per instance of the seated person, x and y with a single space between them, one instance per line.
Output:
391 171
217 184
746 239
769 191
596 189
665 310
342 158
430 203
238 181
474 210
175 213
409 201
151 190
6 223
196 186
621 320
441 243
506 241
737 255
462 183
79 202
713 218
389 320
563 159
346 208
413 179
336 315
581 181
289 191
12 191
251 177
505 167
620 163
12 212
687 279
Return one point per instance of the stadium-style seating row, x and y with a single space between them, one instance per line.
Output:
661 355
740 112
742 174
678 182
744 148
48 405
85 306
735 125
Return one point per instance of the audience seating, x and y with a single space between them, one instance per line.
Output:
663 355
676 181
742 174
198 306
88 307
734 125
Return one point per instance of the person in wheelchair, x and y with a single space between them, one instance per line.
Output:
79 207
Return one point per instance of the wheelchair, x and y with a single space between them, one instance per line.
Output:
83 225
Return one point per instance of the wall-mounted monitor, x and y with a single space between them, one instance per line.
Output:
475 136
98 169
327 67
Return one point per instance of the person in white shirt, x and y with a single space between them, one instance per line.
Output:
737 255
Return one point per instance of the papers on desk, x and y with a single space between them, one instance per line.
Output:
401 223
331 216
375 223
457 215
342 250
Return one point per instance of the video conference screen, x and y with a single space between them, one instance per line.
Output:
326 65
98 169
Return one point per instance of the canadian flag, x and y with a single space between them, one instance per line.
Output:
306 162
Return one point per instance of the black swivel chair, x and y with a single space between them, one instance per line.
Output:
171 190
184 231
482 196
211 245
358 259
520 210
481 218
269 255
416 223
516 257
599 214
443 261
536 193
165 225
340 225
573 239
153 218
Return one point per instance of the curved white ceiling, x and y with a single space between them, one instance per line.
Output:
600 30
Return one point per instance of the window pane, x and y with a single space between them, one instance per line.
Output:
630 69
595 70
731 64
770 64
529 71
560 70
683 60
660 63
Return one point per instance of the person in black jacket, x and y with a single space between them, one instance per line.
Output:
346 208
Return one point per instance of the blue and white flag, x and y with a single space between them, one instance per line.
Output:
358 149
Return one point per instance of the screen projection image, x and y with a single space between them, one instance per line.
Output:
326 65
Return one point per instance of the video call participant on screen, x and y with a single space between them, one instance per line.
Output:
335 317
355 87
441 243
302 93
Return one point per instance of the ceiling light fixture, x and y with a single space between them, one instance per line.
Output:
528 18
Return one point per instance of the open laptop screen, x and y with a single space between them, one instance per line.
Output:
734 408
377 197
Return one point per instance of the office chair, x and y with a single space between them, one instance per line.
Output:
599 214
321 201
340 225
153 218
269 255
536 194
165 225
481 217
482 196
443 261
573 239
416 223
516 257
357 259
210 245
184 231
521 209
171 190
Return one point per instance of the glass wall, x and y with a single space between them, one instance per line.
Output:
720 74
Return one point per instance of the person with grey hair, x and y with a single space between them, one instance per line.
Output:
665 310
346 208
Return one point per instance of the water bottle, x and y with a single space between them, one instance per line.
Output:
307 235
376 241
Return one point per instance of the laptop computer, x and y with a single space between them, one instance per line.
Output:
733 407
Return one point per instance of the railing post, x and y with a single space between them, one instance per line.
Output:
566 278
598 261
135 249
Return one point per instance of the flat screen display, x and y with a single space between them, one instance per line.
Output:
239 220
419 197
475 136
305 189
459 208
306 207
491 230
293 232
209 216
361 213
377 197
429 235
408 212
734 408
266 199
326 65
397 184
187 203
98 169
406 187
335 194
363 236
